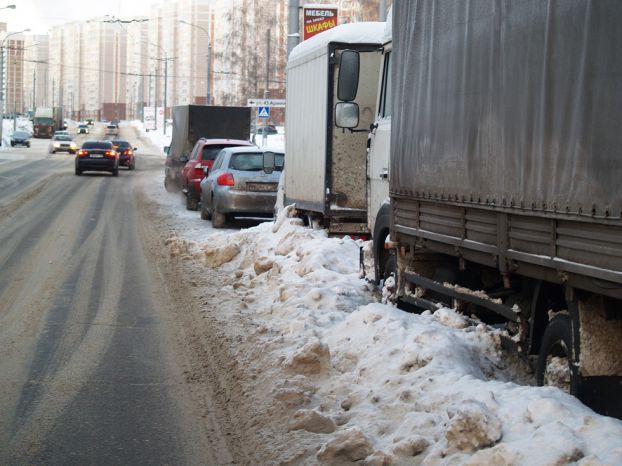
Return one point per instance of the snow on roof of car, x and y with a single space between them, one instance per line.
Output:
351 33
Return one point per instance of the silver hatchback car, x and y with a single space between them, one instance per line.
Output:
237 185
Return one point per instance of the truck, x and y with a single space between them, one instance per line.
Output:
43 122
193 122
326 164
505 190
47 120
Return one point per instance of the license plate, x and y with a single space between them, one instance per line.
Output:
262 187
96 156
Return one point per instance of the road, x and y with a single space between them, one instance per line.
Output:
91 373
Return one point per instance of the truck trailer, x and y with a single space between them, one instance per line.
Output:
193 122
505 177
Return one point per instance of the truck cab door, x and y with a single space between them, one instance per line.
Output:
380 145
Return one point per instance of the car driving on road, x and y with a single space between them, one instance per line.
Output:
126 153
112 130
83 129
202 156
62 143
237 185
97 156
20 138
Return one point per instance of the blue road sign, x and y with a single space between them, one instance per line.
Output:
263 112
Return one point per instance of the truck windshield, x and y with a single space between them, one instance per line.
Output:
43 121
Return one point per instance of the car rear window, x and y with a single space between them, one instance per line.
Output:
97 145
111 127
211 152
20 134
253 161
121 144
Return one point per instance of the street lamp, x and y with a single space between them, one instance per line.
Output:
2 76
165 60
208 96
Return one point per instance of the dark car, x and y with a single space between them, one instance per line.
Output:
20 138
238 185
90 121
268 129
97 156
202 157
126 153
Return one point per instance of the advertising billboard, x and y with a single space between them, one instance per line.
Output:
149 116
318 18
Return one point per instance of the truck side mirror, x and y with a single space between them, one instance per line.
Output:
206 171
269 162
184 158
166 149
349 68
346 115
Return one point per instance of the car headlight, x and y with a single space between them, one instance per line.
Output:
72 145
57 144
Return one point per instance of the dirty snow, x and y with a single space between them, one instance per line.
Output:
354 379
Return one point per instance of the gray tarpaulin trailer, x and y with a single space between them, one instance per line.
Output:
506 174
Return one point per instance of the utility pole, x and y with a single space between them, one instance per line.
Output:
266 92
34 88
209 73
382 10
293 25
165 89
14 90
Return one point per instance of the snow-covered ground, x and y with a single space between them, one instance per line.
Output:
344 378
157 137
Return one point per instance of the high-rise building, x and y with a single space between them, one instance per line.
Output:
14 71
36 56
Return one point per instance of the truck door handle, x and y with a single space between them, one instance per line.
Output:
384 175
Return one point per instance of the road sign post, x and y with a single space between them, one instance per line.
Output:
263 112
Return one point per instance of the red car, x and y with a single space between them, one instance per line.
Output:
126 153
202 156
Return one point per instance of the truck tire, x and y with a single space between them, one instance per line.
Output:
555 365
168 186
218 219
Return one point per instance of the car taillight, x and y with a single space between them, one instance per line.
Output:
82 153
226 179
129 152
110 153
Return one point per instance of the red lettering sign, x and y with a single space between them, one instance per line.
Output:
317 19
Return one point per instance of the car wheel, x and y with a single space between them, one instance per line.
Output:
132 166
115 172
218 219
192 203
78 171
205 215
555 365
53 152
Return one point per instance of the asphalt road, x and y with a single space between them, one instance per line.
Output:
89 373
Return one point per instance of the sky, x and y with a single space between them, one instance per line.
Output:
40 15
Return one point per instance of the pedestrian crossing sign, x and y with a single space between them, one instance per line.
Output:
263 112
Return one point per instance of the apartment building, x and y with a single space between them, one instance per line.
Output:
14 72
36 56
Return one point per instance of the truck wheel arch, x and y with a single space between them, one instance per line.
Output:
382 229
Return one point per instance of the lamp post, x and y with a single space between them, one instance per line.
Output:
165 60
2 76
208 95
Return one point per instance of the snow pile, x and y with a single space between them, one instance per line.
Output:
346 379
157 136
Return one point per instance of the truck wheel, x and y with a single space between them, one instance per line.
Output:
555 366
168 186
218 219
192 203
205 215
390 267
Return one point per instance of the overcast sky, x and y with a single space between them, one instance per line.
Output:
39 15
